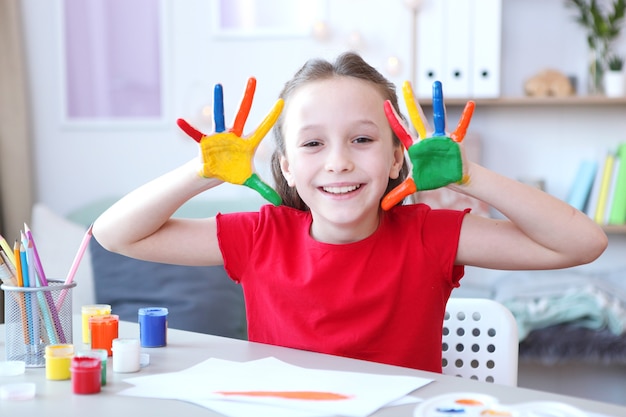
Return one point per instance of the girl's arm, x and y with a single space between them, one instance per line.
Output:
141 226
539 232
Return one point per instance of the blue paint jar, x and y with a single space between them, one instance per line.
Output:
153 326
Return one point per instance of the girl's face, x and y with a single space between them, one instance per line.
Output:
339 154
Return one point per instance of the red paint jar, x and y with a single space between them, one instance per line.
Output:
85 375
104 329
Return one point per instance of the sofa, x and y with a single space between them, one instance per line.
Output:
199 299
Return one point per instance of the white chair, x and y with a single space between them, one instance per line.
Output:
480 341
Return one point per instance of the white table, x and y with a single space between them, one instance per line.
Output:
184 349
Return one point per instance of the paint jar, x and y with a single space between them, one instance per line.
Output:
101 354
58 361
88 311
103 330
86 373
125 355
153 326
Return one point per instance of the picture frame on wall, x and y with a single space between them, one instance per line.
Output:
113 57
266 18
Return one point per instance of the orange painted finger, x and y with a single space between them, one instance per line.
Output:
397 194
397 126
244 107
291 395
414 110
464 121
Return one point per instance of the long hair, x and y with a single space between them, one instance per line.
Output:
348 64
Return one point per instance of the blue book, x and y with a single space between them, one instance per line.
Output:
581 188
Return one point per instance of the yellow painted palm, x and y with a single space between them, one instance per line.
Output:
226 154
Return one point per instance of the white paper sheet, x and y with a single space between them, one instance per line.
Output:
359 394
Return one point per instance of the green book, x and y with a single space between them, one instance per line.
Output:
617 214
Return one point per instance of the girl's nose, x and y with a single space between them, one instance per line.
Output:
339 160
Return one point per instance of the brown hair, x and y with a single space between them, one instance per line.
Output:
348 64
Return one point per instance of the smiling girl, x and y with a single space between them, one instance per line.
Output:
328 270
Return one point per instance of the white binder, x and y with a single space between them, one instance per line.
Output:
430 48
486 37
458 46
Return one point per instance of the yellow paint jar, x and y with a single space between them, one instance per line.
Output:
88 311
58 361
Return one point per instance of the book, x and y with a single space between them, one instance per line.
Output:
580 190
592 202
617 213
605 184
612 188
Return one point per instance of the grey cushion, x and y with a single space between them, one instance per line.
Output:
199 299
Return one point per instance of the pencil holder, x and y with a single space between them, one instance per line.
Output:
36 317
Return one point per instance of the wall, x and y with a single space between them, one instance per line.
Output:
75 165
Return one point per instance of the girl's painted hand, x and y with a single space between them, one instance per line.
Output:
437 160
227 155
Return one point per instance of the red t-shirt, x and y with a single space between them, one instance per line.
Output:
380 299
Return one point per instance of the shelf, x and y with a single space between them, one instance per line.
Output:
535 101
619 229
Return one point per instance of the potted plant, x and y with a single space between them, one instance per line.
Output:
614 77
603 22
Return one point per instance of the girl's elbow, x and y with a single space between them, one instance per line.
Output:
594 247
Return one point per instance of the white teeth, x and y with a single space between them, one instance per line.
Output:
341 190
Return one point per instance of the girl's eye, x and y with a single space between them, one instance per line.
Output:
362 139
311 144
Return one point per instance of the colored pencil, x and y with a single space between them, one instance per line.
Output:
58 329
32 274
21 299
27 295
75 264
7 262
50 336
18 266
36 259
5 246
6 276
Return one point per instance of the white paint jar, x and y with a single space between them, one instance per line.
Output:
125 355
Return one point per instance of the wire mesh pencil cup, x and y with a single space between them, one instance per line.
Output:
36 317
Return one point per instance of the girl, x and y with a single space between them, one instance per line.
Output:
329 271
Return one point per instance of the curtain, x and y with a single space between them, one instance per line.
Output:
16 171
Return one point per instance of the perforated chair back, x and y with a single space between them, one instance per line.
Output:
480 341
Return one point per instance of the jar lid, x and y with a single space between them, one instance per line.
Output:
153 311
80 363
104 318
96 308
22 391
59 350
12 368
125 344
101 354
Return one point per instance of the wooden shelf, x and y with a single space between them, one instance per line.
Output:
535 101
619 229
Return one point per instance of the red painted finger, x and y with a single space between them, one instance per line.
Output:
194 133
397 126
